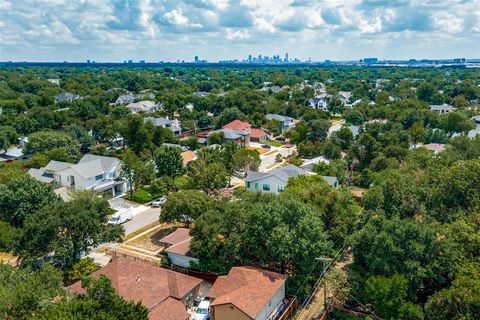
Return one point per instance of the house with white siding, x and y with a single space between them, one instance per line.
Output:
177 246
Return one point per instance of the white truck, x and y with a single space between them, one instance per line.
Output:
122 216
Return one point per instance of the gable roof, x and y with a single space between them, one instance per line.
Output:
249 289
237 125
54 165
282 173
106 162
188 156
441 107
179 242
161 121
141 281
257 133
272 116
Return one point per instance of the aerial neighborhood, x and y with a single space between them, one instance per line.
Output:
177 193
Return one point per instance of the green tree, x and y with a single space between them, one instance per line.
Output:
22 196
389 298
426 91
318 130
43 141
417 132
245 160
354 117
100 302
129 168
25 293
168 161
457 122
67 229
343 137
81 269
136 133
185 206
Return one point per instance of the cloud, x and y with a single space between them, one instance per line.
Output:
114 29
176 17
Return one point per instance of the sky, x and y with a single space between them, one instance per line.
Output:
167 30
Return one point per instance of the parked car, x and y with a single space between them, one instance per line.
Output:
120 217
158 202
281 139
289 145
266 146
202 312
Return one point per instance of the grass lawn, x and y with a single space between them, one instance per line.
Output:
274 143
151 241
140 196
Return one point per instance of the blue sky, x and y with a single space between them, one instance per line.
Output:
153 30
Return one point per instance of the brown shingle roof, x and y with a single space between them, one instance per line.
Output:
169 309
140 281
188 156
179 235
249 289
257 133
237 125
179 241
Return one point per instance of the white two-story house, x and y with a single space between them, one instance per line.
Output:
92 172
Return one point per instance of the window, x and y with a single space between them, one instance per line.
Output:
99 177
256 185
266 187
280 189
248 184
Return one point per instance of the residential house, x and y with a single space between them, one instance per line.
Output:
319 101
166 294
125 99
146 106
332 181
92 172
345 96
441 109
274 89
54 81
274 181
434 147
247 293
258 135
285 122
16 152
177 248
173 125
238 131
201 94
66 96
188 156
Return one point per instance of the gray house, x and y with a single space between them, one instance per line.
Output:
173 125
441 109
285 122
274 181
66 96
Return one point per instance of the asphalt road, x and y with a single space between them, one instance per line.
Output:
141 220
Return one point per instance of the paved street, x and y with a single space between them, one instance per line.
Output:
141 220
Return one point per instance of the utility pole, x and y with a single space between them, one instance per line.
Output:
324 264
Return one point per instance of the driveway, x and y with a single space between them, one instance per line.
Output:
141 220
268 159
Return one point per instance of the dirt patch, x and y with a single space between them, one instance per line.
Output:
151 240
8 258
260 150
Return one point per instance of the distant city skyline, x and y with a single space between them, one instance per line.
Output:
214 30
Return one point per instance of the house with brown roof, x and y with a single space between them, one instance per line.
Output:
188 156
165 293
247 293
258 135
178 247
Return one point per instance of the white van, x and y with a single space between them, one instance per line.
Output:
120 217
